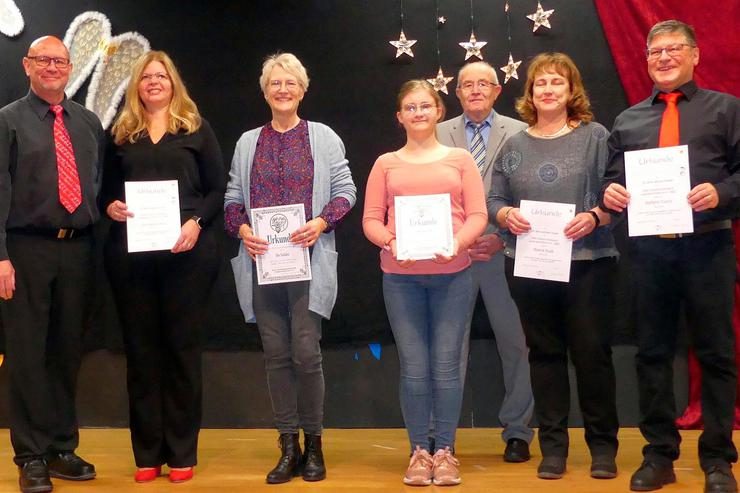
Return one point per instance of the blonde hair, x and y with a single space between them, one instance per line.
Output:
420 84
578 106
288 62
183 113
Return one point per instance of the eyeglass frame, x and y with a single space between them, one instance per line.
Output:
423 108
157 76
290 85
43 61
481 84
672 50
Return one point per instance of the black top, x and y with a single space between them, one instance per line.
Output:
709 125
29 194
194 160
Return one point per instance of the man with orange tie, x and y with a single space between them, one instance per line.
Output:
50 168
696 269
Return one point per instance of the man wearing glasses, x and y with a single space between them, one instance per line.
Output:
697 269
50 168
482 131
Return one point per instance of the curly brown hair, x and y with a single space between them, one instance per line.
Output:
579 106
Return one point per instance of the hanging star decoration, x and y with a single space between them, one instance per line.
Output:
441 19
403 45
540 17
510 69
440 82
472 47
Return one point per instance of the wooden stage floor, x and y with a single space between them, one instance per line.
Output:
358 460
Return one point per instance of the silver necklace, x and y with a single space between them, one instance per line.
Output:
562 130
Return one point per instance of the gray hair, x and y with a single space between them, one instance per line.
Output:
288 62
671 27
481 64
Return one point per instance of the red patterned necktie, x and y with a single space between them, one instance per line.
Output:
669 133
70 194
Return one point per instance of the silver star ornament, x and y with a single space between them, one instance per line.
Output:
472 47
510 69
403 45
440 82
540 17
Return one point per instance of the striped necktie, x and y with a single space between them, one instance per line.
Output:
477 147
70 194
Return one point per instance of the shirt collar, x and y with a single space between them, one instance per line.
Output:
41 107
488 119
688 90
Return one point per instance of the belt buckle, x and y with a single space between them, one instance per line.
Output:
671 236
65 233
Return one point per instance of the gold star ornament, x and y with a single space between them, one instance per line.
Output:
403 45
510 69
472 47
440 82
540 17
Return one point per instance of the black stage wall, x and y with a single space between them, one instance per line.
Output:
219 47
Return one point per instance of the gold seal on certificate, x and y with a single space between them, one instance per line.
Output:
423 226
156 222
284 261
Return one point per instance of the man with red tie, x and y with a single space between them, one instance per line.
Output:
50 168
696 269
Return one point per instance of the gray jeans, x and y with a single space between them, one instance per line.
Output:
290 339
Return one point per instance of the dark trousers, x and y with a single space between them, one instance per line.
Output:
43 328
161 299
291 336
698 270
575 316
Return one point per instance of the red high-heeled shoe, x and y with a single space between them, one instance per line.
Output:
146 474
181 475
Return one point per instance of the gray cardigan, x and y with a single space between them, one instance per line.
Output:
331 178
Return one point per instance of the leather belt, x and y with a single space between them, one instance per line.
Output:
59 234
701 229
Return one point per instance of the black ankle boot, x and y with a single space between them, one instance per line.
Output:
289 464
313 459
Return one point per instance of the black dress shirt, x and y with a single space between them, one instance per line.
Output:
709 125
194 160
29 194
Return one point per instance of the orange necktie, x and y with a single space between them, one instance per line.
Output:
70 194
669 134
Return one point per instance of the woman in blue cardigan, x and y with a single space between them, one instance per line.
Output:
290 161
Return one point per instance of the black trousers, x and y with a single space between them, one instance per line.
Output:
43 323
698 270
561 317
161 299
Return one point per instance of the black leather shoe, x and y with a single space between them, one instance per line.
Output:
603 467
517 450
313 459
289 463
551 467
719 479
652 476
33 477
68 465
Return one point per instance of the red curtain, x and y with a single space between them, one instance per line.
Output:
627 22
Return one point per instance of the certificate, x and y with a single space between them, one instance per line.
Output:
658 183
544 252
283 261
423 226
156 221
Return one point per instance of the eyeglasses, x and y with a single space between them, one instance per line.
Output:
44 61
483 85
290 85
423 108
671 50
158 77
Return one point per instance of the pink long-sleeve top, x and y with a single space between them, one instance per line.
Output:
455 174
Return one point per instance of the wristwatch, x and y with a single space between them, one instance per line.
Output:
197 220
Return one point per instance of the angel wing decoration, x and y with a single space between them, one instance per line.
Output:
86 38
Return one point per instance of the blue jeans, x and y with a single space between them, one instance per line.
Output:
428 315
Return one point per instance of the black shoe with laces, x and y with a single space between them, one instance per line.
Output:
517 450
652 476
313 459
68 465
719 479
33 477
289 463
